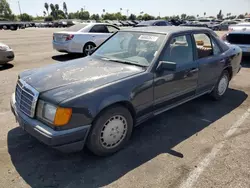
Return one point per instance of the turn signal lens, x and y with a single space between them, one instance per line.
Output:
62 116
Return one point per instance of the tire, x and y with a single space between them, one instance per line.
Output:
106 137
221 87
88 48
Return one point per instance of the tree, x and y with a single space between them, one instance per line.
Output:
246 14
241 16
44 13
48 19
46 5
95 17
190 18
183 16
205 13
132 17
148 17
71 16
56 7
65 9
25 17
220 15
198 16
83 15
5 10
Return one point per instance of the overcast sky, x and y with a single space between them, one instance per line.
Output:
153 7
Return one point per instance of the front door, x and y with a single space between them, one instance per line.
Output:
171 87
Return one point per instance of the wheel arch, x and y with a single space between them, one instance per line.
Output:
229 69
116 101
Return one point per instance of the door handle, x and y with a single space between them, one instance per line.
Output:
191 72
194 70
222 61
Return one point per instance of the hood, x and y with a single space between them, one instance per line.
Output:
77 76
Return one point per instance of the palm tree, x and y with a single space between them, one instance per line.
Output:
57 7
44 13
46 5
65 9
205 13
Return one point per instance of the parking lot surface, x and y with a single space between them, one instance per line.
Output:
202 143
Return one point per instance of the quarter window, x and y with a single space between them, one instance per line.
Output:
180 50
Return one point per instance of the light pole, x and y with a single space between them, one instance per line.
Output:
19 8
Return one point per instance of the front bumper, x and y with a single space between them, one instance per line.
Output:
6 56
67 141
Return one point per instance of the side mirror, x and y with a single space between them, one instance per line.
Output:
166 65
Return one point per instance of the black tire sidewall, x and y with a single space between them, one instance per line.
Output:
215 93
93 141
92 44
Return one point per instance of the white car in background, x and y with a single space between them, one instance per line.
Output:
82 38
239 35
6 54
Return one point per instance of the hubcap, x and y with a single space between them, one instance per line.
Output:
113 131
88 49
222 87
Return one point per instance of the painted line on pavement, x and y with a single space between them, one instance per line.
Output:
195 174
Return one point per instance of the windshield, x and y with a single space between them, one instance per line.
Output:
131 47
76 27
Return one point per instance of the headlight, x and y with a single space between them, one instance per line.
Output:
53 114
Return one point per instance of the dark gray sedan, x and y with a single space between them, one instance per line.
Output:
135 75
6 54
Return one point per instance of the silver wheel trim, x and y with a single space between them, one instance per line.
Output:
88 49
113 132
222 86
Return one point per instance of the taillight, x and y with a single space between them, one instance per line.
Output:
69 37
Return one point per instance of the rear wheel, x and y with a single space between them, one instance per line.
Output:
222 86
88 49
111 131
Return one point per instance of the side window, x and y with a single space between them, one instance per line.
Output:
180 50
99 29
203 45
112 29
216 48
161 24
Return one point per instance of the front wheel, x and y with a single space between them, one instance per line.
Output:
111 131
221 87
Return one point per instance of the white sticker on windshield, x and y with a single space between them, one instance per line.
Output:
148 38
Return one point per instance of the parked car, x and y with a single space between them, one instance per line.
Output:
153 23
117 23
239 35
207 22
136 74
82 38
223 26
6 54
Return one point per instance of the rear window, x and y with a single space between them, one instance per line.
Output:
76 27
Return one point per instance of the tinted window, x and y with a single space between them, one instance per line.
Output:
180 50
99 29
161 24
112 29
203 45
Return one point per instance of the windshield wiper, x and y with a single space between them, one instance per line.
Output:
124 62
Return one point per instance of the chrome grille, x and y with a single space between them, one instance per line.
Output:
26 98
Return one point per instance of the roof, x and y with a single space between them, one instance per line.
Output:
165 29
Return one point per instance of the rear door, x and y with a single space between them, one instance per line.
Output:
171 87
99 34
209 59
